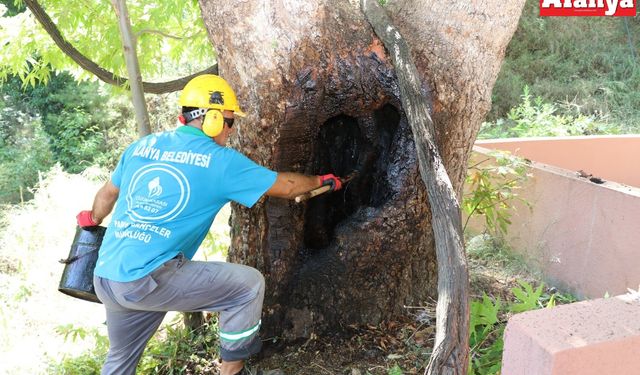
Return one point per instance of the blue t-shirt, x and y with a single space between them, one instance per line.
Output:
172 185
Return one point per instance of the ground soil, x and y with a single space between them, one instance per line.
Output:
405 342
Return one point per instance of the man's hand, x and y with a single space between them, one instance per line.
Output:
331 180
85 219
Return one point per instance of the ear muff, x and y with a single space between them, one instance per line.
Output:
213 123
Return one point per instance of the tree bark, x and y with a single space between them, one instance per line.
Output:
133 68
322 96
451 347
194 321
104 75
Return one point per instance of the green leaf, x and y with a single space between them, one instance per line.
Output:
395 370
527 297
166 32
552 301
484 312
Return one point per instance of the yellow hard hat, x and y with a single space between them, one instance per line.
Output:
210 91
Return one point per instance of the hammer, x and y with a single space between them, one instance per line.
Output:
323 189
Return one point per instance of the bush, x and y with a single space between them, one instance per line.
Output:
21 165
492 190
536 118
74 124
77 117
584 64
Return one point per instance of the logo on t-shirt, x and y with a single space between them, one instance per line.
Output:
155 189
157 192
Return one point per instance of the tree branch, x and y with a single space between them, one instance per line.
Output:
166 35
129 44
103 74
451 347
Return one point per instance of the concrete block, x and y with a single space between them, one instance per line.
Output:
595 337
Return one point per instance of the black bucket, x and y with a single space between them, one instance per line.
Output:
77 277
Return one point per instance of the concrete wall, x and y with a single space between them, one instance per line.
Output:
596 337
613 158
584 236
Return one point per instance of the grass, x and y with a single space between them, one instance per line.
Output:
503 283
583 65
486 250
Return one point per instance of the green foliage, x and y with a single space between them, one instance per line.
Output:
12 8
488 319
535 118
176 350
584 64
182 349
491 252
166 31
395 370
23 294
88 363
24 147
215 245
527 297
75 117
21 164
74 124
485 336
73 333
492 190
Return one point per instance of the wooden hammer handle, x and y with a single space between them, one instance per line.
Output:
313 193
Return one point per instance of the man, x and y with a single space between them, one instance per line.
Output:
167 189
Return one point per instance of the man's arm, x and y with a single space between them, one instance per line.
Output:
289 185
103 202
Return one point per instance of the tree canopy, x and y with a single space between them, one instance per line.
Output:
171 38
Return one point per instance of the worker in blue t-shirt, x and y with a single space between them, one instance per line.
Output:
167 188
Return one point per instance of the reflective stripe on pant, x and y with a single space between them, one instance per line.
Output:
135 309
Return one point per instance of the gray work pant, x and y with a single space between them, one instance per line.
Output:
135 309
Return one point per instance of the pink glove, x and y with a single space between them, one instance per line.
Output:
331 180
85 219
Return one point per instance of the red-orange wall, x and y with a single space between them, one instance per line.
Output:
613 158
584 236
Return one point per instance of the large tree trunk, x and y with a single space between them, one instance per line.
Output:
322 97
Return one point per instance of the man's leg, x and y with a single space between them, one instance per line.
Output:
240 324
129 329
235 290
129 332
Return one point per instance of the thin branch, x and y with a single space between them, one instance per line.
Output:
475 208
164 34
478 163
464 228
133 68
103 74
